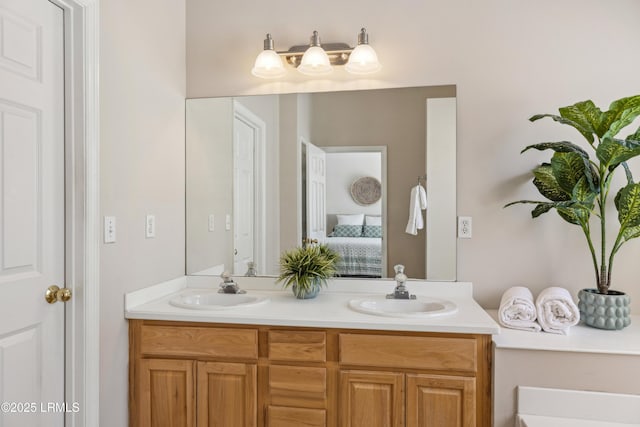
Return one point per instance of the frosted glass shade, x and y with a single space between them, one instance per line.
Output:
315 62
363 60
268 65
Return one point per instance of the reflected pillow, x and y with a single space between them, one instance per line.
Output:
354 219
345 230
372 231
372 220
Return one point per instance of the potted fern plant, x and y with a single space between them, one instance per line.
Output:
578 188
306 269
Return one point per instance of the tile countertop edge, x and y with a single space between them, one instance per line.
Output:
151 303
581 339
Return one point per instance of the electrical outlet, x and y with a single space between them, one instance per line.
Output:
150 227
109 229
212 222
465 227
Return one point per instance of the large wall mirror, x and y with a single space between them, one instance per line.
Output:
268 173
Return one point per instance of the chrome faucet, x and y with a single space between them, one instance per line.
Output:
228 286
401 291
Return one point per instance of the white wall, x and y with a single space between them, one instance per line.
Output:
142 93
342 170
509 61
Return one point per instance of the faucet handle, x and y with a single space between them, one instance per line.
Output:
400 276
226 277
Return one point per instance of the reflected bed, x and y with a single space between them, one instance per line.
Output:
359 256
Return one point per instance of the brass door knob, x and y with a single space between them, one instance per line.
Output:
55 294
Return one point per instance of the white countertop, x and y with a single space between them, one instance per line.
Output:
581 339
328 310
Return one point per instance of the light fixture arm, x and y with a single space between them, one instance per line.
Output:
363 37
268 42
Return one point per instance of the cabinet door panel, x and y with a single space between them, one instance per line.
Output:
440 401
166 393
226 394
371 399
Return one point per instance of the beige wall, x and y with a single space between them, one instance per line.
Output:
509 61
554 369
142 92
209 160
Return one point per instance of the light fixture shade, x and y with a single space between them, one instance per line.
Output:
363 60
315 62
268 63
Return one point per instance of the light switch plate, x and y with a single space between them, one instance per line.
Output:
150 227
212 222
465 227
227 222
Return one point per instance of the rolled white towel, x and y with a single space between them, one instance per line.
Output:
556 310
517 310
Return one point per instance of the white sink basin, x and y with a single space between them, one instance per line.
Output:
420 307
212 300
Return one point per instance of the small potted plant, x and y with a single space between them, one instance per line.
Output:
306 269
578 188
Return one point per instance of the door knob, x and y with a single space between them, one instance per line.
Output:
55 294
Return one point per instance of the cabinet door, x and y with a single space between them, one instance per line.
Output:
166 393
226 394
440 401
371 399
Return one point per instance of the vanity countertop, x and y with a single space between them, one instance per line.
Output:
328 310
581 339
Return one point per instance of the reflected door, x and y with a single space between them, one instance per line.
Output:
31 212
244 139
316 182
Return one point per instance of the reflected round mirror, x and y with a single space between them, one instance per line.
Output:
267 173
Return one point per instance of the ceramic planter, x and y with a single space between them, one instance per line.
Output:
302 293
611 311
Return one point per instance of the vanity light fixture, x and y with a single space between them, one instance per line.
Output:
317 59
268 63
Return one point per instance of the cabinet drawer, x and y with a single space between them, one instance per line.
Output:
408 352
298 346
281 416
198 341
297 383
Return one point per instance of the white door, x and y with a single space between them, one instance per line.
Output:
316 194
244 139
31 212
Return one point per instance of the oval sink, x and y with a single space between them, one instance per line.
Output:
421 307
212 300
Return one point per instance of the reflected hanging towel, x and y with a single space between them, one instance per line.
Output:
417 203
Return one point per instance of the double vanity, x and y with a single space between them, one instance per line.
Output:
349 357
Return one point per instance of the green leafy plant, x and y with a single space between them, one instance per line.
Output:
578 187
307 267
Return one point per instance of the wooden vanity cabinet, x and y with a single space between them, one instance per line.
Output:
199 374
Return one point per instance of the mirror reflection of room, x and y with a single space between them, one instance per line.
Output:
342 206
372 142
